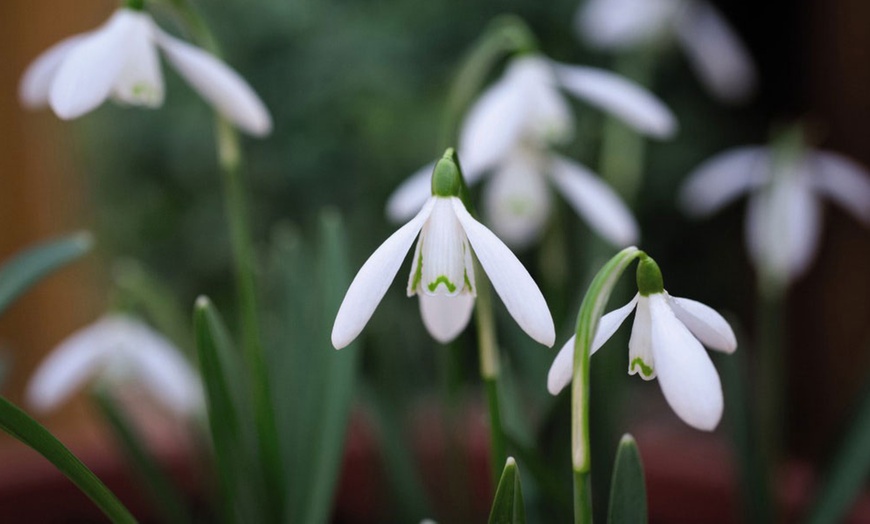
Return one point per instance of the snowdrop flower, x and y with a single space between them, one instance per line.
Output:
713 49
442 272
665 343
784 214
119 60
117 349
508 132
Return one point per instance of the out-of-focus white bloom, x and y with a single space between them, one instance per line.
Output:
116 350
442 275
120 60
666 343
508 132
784 214
712 47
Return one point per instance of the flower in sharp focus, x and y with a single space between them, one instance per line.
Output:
784 213
666 343
711 45
120 60
117 350
508 133
442 271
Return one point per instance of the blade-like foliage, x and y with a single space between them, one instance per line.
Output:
18 424
507 507
628 489
31 266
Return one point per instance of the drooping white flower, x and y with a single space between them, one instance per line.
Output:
783 222
666 343
442 273
119 60
116 350
711 45
508 133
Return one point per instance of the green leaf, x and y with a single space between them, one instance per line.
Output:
34 264
317 385
18 424
628 489
164 493
507 507
847 473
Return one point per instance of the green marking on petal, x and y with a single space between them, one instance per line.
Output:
645 370
468 285
418 275
451 287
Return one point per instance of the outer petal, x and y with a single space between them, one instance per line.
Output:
687 376
90 70
595 201
445 317
705 323
162 369
411 195
620 24
716 52
225 89
36 82
72 363
563 366
511 281
619 96
517 200
783 226
721 179
494 125
373 280
844 181
140 81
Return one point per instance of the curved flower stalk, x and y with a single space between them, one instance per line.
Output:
119 60
509 133
666 343
784 214
117 350
442 273
711 45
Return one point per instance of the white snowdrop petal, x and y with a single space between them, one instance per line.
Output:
686 374
161 368
620 97
79 357
140 81
220 85
37 79
705 323
493 126
517 201
562 369
442 253
89 72
641 359
722 178
373 280
620 24
844 181
509 278
407 200
595 201
716 53
446 317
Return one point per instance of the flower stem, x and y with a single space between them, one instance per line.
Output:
771 387
582 498
489 369
230 162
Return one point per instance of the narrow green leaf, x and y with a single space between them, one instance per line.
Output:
628 489
18 424
847 473
507 507
31 266
164 493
